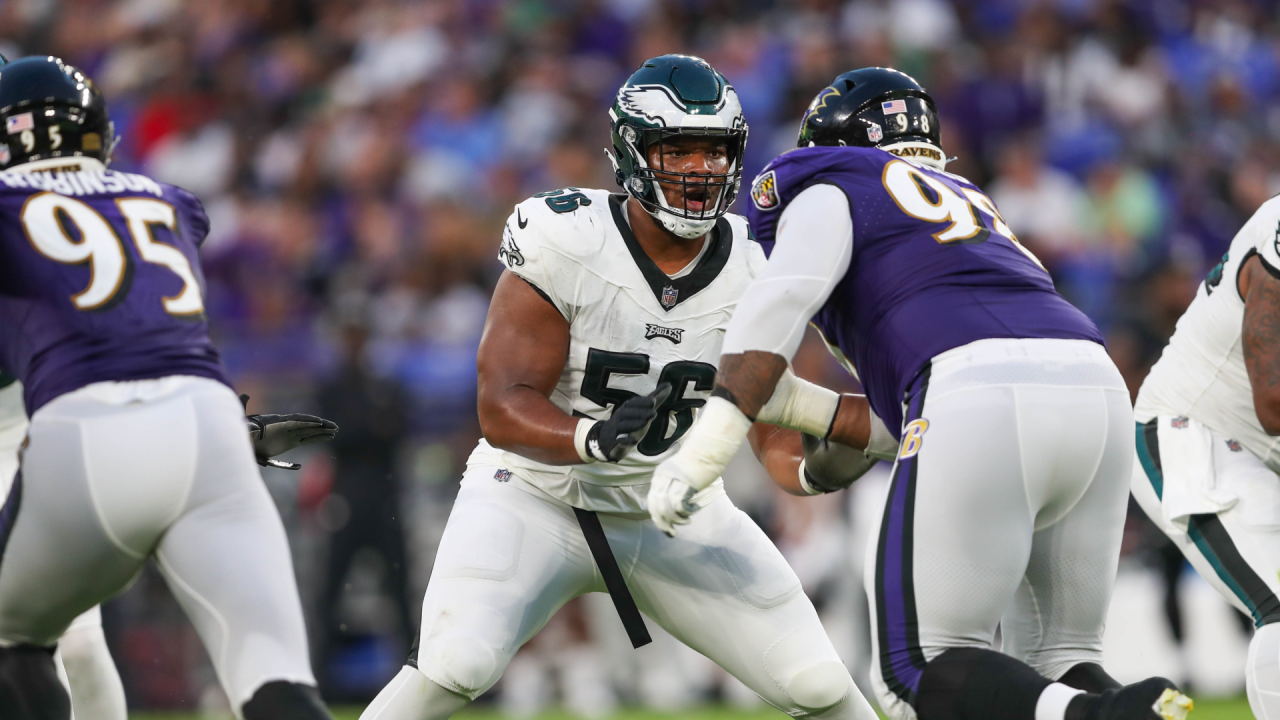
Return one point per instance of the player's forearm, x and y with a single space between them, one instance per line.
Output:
1260 338
780 452
852 425
524 421
748 379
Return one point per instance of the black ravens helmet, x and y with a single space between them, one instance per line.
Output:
875 107
51 110
671 96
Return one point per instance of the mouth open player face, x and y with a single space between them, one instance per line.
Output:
690 171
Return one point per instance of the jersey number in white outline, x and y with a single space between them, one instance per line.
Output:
101 247
909 188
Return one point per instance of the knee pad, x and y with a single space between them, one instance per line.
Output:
460 663
820 686
29 685
281 700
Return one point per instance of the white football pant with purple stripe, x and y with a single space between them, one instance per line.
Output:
1006 508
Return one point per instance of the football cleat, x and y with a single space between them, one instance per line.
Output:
1173 705
1152 699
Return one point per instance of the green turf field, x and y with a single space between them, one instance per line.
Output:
1236 709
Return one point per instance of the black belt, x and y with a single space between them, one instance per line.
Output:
613 580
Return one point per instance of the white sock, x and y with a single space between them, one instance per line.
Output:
1262 673
91 677
411 696
1053 701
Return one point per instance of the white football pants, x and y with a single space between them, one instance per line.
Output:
1236 550
1006 508
117 472
511 557
84 663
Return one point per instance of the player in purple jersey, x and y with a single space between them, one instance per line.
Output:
136 446
1009 422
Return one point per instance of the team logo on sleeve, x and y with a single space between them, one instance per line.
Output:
509 253
669 295
764 191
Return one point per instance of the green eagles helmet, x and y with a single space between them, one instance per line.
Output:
676 96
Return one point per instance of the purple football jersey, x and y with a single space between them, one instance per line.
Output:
934 267
100 280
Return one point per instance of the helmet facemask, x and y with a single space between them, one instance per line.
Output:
714 191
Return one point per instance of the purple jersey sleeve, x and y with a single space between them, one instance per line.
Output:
100 280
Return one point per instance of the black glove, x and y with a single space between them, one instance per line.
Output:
610 440
277 434
829 466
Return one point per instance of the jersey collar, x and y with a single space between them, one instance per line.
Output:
670 292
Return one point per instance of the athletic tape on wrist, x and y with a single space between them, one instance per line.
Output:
801 405
711 443
580 439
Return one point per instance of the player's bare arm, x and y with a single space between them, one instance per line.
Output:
1260 337
803 464
748 379
522 353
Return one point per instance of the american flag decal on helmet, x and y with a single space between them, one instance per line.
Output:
892 107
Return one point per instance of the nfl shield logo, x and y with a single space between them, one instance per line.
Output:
502 475
1179 423
764 191
669 297
4 154
874 133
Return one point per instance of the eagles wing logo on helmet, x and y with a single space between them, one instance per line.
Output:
654 103
764 191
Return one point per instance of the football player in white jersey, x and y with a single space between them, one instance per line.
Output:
1208 417
84 661
600 344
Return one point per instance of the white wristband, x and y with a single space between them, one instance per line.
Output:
715 437
881 444
801 405
580 439
804 483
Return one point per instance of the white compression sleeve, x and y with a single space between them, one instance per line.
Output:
812 253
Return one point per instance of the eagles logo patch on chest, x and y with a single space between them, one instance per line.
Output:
652 331
764 191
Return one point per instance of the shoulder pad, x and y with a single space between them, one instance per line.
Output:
569 221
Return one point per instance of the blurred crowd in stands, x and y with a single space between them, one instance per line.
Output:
359 157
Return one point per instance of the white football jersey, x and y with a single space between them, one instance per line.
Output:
1201 373
631 327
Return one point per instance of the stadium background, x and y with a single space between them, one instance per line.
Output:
358 159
